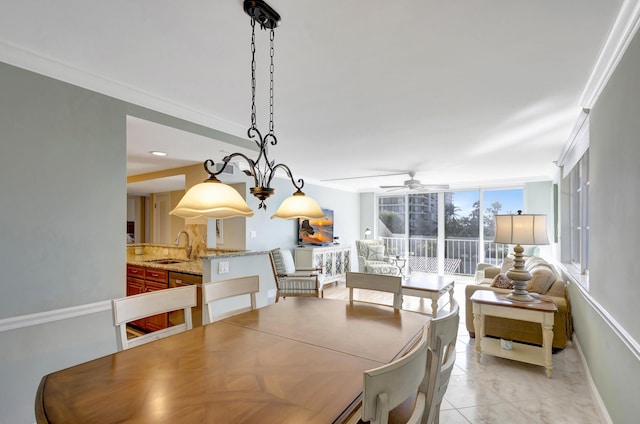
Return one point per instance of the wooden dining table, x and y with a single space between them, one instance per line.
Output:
298 360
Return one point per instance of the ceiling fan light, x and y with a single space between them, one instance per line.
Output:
299 206
212 199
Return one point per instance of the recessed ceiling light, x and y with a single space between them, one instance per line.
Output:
157 153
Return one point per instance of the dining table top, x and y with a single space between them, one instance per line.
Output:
299 360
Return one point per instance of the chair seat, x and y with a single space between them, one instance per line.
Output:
381 268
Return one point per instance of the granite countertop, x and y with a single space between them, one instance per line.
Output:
193 266
232 254
189 267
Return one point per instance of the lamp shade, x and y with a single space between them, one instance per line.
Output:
521 229
212 199
299 206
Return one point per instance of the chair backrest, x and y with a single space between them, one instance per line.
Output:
147 304
388 386
384 283
216 290
441 355
282 261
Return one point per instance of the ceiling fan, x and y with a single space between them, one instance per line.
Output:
413 184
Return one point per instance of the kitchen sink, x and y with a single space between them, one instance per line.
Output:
167 261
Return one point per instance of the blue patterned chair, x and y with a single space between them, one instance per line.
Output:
291 281
372 258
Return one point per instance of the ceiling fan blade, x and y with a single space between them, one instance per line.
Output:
393 186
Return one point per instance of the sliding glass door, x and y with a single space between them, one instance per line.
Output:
444 232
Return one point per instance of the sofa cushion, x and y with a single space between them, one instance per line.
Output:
502 281
542 279
507 264
533 261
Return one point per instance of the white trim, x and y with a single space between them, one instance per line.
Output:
577 138
624 336
66 72
600 406
39 318
622 32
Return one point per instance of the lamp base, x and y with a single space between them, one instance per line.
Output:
519 276
520 294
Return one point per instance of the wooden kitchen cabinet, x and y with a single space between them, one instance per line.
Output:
141 280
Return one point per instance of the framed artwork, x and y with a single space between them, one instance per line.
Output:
219 232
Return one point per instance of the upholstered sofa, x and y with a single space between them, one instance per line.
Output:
545 281
372 258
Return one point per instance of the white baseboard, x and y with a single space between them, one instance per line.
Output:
39 318
599 404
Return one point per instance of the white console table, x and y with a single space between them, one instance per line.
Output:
334 260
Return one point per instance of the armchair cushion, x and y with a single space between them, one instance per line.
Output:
376 253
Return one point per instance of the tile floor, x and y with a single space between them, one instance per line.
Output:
500 391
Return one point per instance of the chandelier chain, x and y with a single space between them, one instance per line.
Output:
253 73
271 67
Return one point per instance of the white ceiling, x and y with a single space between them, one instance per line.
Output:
463 92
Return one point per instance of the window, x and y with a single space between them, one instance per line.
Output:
409 226
578 217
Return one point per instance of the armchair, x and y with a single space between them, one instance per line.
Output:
291 281
372 258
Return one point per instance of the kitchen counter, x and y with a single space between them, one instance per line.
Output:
188 267
153 252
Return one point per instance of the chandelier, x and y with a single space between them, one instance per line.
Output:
214 199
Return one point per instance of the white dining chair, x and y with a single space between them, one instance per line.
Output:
390 385
441 356
147 304
217 290
383 283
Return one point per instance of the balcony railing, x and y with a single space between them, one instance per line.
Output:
461 255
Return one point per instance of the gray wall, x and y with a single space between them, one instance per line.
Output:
271 233
62 226
63 191
610 309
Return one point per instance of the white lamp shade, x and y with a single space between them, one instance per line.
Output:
299 206
212 199
521 229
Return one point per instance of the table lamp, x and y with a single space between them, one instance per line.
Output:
528 229
367 233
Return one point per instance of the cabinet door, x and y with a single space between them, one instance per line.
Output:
160 321
136 286
329 259
346 260
318 260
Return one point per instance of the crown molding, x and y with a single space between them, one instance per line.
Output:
68 73
622 32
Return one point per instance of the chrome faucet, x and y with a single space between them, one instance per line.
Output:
188 245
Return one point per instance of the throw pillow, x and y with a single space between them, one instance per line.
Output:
507 264
502 281
542 280
376 253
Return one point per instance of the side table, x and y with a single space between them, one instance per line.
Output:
400 263
487 302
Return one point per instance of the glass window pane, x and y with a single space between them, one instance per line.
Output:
498 202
